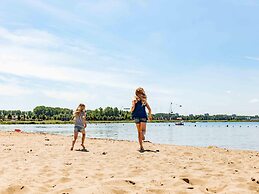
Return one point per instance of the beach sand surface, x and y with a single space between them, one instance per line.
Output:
43 163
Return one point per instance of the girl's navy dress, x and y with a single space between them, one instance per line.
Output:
139 112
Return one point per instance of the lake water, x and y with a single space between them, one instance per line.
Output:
238 135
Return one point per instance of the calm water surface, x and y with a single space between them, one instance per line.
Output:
237 135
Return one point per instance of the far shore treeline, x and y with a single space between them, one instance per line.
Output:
43 114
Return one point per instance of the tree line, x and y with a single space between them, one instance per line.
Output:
42 113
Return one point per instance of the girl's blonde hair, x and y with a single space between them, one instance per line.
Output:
141 95
79 109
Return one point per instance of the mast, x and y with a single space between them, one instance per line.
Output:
171 111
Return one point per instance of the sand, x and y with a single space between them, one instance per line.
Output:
43 163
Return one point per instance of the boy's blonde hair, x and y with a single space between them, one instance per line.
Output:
141 95
79 109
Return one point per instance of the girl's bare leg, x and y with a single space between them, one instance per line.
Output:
143 127
83 139
140 134
74 141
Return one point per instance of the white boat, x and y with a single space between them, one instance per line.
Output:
180 121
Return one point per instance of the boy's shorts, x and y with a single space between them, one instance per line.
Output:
140 120
79 129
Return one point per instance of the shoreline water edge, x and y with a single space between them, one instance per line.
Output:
123 121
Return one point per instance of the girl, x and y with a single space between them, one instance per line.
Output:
138 109
80 124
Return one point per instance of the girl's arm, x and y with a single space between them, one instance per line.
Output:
149 111
133 105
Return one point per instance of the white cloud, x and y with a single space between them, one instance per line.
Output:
73 63
104 6
28 37
10 89
81 12
254 100
252 58
76 96
61 14
109 10
228 91
63 70
25 68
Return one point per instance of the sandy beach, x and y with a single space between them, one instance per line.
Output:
43 163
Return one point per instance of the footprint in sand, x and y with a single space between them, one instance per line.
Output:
64 180
120 182
187 153
15 189
218 189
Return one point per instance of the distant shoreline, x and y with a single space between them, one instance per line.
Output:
48 122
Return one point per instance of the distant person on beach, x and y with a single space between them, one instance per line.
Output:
139 114
80 124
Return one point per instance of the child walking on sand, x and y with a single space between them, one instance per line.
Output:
138 109
80 124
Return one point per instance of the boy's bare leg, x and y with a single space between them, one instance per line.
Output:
83 139
74 141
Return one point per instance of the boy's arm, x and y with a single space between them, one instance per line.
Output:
74 117
149 112
84 120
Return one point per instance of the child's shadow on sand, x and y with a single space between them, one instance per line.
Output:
82 150
154 151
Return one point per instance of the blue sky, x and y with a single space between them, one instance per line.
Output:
201 54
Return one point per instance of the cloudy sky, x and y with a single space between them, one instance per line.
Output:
201 54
